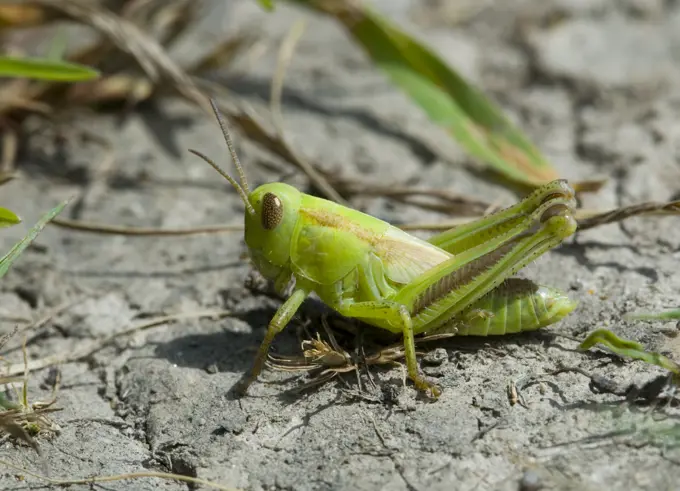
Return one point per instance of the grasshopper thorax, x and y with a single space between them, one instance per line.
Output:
270 227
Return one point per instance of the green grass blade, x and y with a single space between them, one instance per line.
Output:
45 69
8 218
7 405
631 349
266 4
660 316
19 247
477 123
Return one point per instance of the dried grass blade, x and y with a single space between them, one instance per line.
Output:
650 208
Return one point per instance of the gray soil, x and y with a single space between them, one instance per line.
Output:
594 83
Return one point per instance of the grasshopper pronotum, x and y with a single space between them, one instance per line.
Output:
364 268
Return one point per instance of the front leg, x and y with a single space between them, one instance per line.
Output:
398 319
280 320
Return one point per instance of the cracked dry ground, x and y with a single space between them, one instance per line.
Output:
597 90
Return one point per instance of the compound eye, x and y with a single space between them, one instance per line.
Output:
272 211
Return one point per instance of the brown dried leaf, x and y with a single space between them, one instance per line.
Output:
222 54
20 16
114 88
10 425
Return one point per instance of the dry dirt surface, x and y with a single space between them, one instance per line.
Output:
594 83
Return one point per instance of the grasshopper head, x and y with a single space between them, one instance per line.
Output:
271 212
270 227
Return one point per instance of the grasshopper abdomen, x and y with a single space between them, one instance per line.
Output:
517 305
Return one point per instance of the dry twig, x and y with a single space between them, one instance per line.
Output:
119 477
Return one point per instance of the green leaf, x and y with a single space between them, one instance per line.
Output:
8 218
477 123
45 69
649 316
631 349
266 4
20 246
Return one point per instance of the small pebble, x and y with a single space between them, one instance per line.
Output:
530 481
576 285
436 357
390 393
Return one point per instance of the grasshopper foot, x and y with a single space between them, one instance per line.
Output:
431 390
240 388
434 392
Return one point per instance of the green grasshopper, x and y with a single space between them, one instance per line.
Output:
365 268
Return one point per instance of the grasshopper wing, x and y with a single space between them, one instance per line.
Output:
330 241
405 257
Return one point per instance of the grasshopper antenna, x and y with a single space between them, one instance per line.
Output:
242 189
239 189
230 145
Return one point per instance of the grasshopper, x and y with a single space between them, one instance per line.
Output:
366 269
